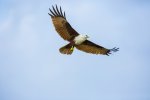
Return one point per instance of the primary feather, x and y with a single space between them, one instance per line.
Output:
61 24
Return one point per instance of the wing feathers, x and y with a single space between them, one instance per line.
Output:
61 25
64 15
58 10
93 48
61 12
52 12
51 15
55 11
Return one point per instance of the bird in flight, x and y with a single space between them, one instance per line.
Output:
65 30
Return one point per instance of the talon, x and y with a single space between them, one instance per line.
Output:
72 48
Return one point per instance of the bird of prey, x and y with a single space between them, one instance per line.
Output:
65 30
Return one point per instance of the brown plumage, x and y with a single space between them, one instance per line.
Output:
90 47
66 49
65 30
61 25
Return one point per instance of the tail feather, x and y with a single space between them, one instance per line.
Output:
67 49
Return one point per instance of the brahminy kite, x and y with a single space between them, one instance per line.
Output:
75 39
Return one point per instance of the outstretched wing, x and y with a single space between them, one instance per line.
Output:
90 47
61 25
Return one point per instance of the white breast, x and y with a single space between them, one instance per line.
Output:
79 39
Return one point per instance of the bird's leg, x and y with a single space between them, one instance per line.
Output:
72 48
72 43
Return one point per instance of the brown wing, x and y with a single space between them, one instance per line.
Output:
61 25
93 48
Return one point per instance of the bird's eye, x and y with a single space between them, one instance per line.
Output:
87 36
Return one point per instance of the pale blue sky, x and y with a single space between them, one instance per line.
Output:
31 67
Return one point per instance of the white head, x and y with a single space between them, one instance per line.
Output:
80 39
84 36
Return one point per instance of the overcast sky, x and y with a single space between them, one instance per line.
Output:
31 67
